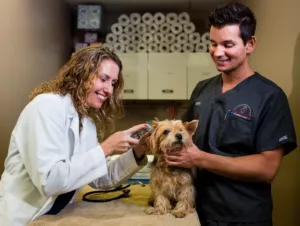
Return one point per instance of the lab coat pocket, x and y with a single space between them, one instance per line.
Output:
235 136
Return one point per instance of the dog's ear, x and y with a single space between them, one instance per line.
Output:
154 123
148 144
147 141
151 142
191 126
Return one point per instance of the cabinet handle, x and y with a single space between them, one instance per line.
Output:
128 91
167 91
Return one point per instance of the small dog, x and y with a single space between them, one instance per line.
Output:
172 187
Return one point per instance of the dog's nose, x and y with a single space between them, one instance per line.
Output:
178 136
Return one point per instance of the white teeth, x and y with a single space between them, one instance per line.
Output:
101 97
222 61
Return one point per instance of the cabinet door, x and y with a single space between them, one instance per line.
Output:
135 73
200 66
167 76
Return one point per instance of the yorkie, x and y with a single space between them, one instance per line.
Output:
172 187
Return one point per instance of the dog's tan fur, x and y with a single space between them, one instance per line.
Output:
172 187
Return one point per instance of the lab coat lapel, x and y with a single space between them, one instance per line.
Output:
75 129
74 124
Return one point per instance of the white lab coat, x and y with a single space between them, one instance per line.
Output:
48 156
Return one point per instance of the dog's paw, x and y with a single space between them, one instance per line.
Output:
154 211
179 213
149 210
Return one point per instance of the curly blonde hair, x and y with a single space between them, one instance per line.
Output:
77 77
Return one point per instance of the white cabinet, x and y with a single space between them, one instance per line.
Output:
164 76
200 66
135 73
167 76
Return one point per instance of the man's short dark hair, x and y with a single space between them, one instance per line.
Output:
234 14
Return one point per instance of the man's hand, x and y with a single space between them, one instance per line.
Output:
186 157
261 167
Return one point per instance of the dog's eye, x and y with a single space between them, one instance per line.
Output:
166 132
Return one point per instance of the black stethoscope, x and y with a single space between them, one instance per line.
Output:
122 188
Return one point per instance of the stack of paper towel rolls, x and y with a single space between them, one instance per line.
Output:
172 32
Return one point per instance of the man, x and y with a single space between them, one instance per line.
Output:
245 128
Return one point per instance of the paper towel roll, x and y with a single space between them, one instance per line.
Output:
94 24
82 23
124 38
170 38
95 10
117 29
119 47
142 48
130 48
124 20
129 29
182 38
205 38
176 48
147 18
183 17
135 18
201 47
159 18
188 47
153 28
83 9
194 38
111 38
109 46
147 38
141 28
189 27
176 28
158 38
172 18
164 48
165 28
153 48
136 38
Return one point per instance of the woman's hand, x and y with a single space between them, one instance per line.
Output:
121 141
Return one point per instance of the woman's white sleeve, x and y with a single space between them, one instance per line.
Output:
119 170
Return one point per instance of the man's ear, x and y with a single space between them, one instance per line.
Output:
191 126
250 45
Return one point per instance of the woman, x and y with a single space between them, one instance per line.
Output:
54 150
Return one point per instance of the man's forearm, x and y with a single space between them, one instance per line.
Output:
256 167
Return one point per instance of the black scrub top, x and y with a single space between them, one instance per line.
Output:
251 118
